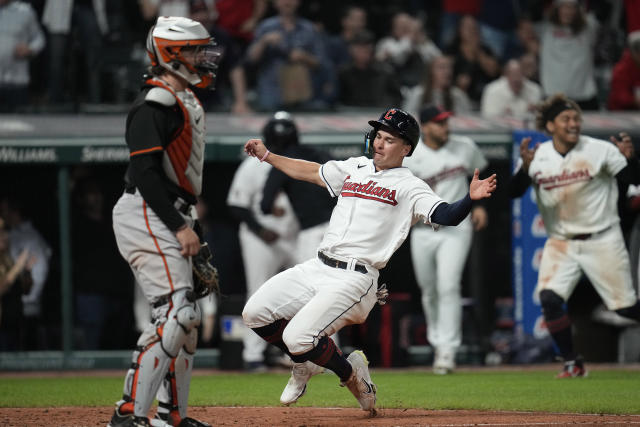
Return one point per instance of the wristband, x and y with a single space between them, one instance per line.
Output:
266 153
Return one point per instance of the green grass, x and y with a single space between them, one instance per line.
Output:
606 392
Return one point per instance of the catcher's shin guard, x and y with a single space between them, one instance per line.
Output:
183 317
143 379
173 394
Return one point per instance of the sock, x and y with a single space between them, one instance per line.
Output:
272 333
632 312
327 355
560 330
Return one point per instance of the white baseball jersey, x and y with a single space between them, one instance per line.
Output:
577 193
246 192
447 169
375 210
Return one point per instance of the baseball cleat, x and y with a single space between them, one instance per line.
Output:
173 419
573 369
444 362
359 383
297 385
127 420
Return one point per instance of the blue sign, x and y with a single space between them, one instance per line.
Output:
528 237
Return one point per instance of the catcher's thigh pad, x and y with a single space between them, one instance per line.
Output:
183 317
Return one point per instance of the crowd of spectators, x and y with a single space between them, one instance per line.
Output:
311 55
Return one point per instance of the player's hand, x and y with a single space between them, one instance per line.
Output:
624 144
482 188
479 218
527 153
268 236
189 241
255 147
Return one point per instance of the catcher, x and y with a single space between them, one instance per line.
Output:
154 221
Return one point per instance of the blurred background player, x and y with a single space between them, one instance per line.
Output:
23 235
444 162
573 177
267 240
311 204
21 38
154 219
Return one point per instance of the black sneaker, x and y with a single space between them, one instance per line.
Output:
128 420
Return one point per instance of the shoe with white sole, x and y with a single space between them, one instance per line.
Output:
359 384
444 362
297 385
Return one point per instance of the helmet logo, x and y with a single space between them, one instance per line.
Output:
389 114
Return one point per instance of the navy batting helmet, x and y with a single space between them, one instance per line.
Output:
399 122
280 132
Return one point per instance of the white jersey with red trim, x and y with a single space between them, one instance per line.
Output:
577 193
446 170
375 209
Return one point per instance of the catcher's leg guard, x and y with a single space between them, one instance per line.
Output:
143 379
173 394
182 318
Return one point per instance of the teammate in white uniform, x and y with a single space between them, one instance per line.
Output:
153 220
378 202
444 162
268 241
574 178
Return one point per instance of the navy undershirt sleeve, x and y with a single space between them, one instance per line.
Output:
630 174
518 184
452 213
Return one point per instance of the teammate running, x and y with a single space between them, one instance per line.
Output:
153 220
378 202
574 178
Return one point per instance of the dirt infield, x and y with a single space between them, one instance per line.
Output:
311 417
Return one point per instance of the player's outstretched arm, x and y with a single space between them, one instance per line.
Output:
482 188
296 168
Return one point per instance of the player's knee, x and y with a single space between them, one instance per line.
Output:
188 317
552 304
180 324
632 312
295 341
251 314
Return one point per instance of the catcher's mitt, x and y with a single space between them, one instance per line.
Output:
205 276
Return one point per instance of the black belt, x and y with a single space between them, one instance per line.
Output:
164 299
587 236
340 264
182 206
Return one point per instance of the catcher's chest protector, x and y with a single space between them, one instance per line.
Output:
183 160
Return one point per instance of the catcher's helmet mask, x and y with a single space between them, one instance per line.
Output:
185 48
397 122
